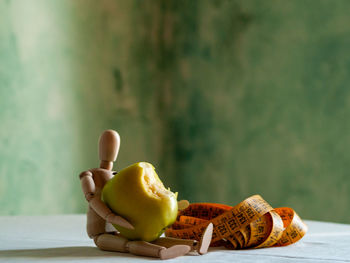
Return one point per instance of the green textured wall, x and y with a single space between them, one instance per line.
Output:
226 98
69 70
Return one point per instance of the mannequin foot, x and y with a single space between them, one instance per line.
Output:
204 243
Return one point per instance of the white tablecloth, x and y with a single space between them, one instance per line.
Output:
63 239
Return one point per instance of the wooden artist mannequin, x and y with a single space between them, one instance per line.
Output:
92 182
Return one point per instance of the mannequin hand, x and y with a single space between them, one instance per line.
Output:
118 220
182 204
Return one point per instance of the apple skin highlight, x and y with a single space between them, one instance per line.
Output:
137 194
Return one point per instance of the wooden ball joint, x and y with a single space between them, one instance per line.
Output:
92 183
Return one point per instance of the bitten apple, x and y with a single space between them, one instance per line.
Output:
137 194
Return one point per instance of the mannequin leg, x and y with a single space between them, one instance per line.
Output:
95 224
143 248
110 242
171 241
200 246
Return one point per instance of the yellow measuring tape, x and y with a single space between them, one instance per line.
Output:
252 223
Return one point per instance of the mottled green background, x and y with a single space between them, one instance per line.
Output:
225 98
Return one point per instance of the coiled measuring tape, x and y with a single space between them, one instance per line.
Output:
253 223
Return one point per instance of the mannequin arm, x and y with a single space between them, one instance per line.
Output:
95 202
88 185
103 211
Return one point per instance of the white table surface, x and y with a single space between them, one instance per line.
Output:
63 239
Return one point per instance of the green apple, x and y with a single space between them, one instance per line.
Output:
137 194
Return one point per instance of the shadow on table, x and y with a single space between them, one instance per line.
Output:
61 252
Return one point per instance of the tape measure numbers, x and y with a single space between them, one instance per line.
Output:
252 223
